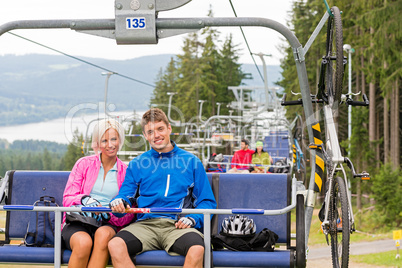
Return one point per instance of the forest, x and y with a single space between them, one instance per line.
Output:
39 155
373 29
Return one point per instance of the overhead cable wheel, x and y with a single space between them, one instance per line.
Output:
334 55
339 224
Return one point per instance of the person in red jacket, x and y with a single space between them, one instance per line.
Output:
242 156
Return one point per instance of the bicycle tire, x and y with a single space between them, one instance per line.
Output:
334 55
339 224
300 232
303 171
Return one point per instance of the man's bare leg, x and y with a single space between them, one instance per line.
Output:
194 257
118 252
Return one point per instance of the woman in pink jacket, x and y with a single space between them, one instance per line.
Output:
94 181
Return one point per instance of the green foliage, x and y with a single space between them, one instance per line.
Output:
305 17
378 259
74 151
388 195
384 41
4 144
31 155
362 156
202 72
38 146
372 28
165 82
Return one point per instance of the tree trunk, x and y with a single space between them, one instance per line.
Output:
377 137
362 77
395 126
372 107
359 196
392 125
386 129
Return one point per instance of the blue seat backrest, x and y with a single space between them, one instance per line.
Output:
258 191
284 153
213 179
26 187
277 158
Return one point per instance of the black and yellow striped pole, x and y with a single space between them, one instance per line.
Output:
319 161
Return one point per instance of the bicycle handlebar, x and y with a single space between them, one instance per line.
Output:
365 101
285 103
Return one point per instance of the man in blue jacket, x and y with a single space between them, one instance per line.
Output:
165 176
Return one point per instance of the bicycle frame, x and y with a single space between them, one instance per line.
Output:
334 160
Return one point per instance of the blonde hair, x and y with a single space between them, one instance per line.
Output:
101 127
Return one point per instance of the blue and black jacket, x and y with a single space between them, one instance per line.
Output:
176 179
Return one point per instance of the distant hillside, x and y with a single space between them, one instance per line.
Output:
38 88
33 146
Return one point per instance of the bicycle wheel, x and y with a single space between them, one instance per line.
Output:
334 55
339 227
300 233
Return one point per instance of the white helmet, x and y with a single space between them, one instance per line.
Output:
238 226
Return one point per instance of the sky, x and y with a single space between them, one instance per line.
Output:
261 40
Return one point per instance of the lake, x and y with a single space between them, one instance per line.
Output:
59 130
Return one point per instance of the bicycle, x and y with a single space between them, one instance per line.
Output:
336 214
299 163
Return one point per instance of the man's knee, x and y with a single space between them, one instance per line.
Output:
125 241
195 256
116 246
196 252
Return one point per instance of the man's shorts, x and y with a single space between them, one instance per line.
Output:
158 233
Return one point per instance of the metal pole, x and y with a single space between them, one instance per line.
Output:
348 48
108 74
207 240
57 238
350 107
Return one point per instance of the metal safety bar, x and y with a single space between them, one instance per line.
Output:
249 165
207 218
4 183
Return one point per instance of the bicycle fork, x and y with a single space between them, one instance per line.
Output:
325 223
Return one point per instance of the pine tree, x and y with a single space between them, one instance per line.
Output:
210 68
190 79
230 73
47 160
166 82
74 151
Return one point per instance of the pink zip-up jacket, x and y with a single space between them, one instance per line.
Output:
82 179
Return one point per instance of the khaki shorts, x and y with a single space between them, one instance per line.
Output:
158 233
